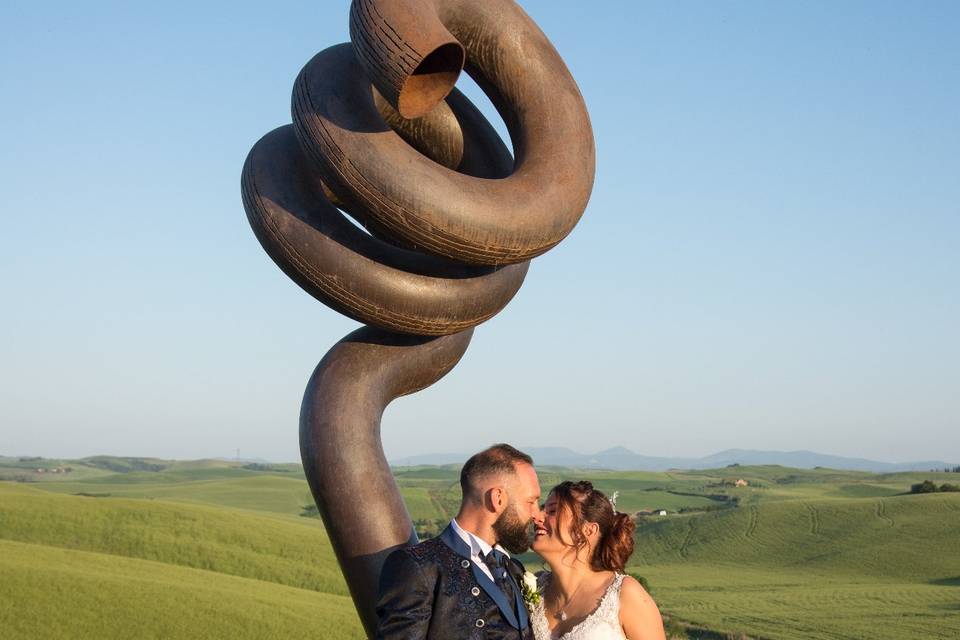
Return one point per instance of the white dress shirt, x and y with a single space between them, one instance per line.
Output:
478 547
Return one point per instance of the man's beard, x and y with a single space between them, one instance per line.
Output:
513 534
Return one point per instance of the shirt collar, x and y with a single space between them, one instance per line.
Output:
478 546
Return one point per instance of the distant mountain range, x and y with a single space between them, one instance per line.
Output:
622 459
617 458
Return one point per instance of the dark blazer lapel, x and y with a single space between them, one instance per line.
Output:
521 608
462 549
516 572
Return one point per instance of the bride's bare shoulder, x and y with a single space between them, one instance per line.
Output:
633 591
639 614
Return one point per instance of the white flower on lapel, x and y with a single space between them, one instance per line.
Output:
529 587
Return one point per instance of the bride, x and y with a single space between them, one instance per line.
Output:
586 595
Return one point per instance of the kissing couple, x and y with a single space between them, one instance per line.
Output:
464 584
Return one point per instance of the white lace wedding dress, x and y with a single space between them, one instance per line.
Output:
602 624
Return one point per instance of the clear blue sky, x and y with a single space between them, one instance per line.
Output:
769 260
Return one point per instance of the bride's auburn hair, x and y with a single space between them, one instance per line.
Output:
586 504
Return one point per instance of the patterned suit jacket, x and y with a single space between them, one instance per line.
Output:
432 591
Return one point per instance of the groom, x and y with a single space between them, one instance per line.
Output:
461 584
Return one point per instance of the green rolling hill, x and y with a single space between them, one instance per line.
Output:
226 541
54 592
75 566
874 567
912 536
134 547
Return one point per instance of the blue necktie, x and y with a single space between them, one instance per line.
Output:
497 563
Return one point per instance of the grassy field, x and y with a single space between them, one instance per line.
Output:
215 539
120 548
811 569
53 592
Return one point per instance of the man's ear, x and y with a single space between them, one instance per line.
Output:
497 499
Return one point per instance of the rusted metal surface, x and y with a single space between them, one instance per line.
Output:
451 222
343 459
353 272
449 213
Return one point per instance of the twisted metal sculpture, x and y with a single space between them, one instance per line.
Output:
380 132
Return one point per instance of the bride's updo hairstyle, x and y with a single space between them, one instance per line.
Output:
586 504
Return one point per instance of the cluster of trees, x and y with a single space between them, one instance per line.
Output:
257 466
955 469
124 465
928 486
427 528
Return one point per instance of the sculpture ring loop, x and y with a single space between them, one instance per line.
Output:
359 275
411 50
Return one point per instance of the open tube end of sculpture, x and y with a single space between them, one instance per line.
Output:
407 52
453 220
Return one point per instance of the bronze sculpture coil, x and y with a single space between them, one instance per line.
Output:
355 273
451 221
445 212
362 509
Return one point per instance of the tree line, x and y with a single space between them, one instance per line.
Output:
928 486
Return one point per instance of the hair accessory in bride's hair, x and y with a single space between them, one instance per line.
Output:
613 500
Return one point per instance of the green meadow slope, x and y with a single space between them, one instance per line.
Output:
139 547
73 566
273 493
809 569
52 592
225 541
269 494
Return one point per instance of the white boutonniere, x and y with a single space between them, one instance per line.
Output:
529 587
